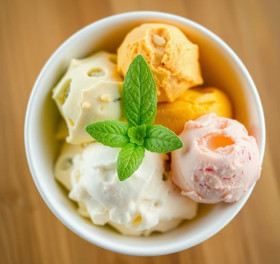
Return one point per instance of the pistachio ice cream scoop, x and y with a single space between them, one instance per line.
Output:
89 91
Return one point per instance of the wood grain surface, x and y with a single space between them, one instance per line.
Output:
29 33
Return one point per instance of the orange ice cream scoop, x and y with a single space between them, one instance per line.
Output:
192 104
172 58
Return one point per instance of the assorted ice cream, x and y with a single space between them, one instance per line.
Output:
218 162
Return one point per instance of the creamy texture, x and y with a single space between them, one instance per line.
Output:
89 91
192 104
219 160
137 206
172 58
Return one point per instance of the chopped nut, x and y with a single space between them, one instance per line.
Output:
158 40
105 98
86 105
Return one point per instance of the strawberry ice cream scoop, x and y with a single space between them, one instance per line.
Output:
219 160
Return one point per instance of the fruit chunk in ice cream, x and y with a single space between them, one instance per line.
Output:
143 203
89 92
219 160
192 104
172 58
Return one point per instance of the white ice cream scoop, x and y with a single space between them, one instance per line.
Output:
145 202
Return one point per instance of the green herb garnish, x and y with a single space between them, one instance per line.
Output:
139 97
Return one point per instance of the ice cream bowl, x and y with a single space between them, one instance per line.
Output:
220 67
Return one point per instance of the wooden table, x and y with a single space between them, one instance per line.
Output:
31 30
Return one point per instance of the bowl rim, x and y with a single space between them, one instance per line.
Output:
105 243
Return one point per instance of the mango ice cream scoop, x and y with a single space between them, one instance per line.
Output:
192 104
173 59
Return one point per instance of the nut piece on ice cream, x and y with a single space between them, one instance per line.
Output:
172 58
144 203
192 104
89 92
219 160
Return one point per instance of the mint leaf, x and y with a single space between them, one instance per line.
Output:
161 140
137 134
139 93
140 103
129 160
110 133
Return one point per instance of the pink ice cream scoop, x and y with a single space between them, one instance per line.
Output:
219 160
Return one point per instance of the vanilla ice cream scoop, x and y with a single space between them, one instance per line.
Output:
145 202
89 91
219 160
172 57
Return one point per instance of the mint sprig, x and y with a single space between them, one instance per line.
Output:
140 104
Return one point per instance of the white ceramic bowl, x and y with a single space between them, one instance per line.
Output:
220 67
